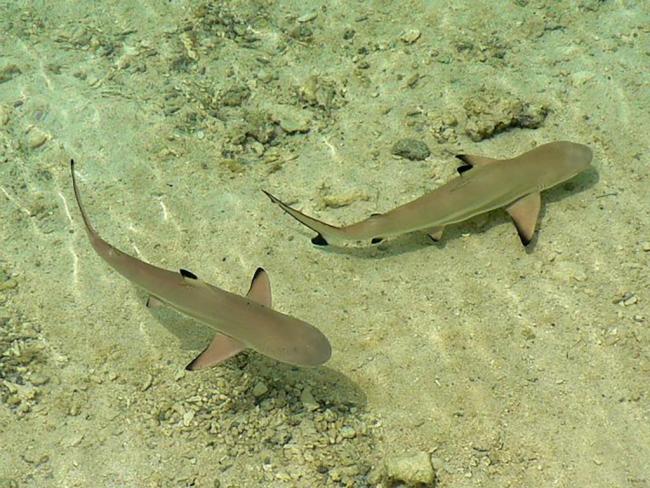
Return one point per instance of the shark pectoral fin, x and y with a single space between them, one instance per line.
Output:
524 213
260 289
435 233
469 161
221 348
153 302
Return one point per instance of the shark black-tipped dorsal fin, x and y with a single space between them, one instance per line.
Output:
470 161
188 274
473 160
260 289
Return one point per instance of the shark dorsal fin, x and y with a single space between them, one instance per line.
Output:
470 161
524 214
188 274
260 289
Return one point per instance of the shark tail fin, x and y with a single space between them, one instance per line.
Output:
325 231
89 228
223 347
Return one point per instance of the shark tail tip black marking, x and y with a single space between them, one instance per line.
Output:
319 240
376 240
271 197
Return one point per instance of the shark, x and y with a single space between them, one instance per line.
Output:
240 322
483 184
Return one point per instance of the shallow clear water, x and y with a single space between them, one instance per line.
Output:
474 358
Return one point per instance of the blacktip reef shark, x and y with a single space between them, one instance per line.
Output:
240 321
483 184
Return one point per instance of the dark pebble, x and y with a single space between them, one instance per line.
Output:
411 149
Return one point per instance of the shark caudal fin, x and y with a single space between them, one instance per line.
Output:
326 232
223 347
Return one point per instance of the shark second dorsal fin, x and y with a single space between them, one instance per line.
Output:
524 213
260 289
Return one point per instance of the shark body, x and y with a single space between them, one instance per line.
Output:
240 321
483 184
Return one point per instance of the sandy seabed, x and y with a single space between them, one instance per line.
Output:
497 365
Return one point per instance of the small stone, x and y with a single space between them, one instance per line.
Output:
308 400
627 298
411 470
36 138
188 417
347 432
411 149
308 17
9 72
630 301
38 379
344 199
410 36
4 115
291 119
645 246
260 389
235 96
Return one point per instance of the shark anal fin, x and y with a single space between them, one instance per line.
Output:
464 168
319 240
153 302
260 289
188 274
435 233
221 348
524 213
